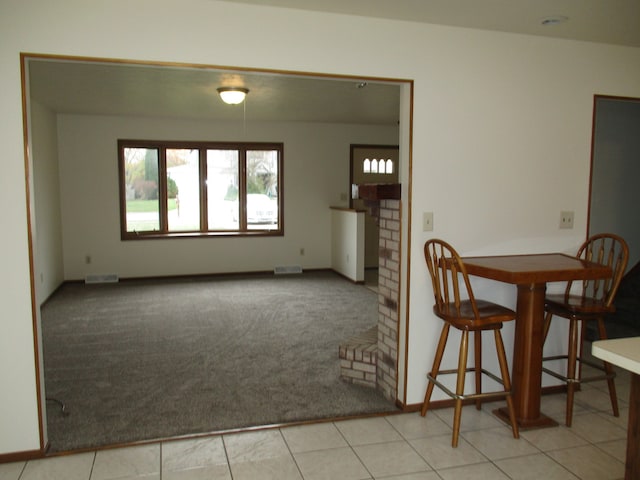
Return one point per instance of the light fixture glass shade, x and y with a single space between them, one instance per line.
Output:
232 95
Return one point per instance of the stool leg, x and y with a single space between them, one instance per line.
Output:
477 339
609 370
504 370
580 350
571 369
547 324
444 334
462 367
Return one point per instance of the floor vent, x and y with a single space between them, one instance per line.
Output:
105 278
280 270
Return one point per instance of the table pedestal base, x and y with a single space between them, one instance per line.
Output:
525 424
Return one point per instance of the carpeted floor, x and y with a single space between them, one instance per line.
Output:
142 360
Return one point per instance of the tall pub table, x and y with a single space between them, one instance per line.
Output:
531 273
625 353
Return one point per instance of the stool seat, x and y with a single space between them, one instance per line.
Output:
567 305
490 315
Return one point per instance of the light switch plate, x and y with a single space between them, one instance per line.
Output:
427 221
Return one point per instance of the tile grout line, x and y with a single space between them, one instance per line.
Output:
226 455
293 457
24 467
408 442
546 454
93 464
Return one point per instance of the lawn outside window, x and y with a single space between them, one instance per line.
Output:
195 189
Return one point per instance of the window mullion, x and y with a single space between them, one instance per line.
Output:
242 195
162 190
204 202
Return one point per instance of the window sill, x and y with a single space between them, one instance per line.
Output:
180 235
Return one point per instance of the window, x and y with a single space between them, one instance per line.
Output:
184 189
389 167
375 166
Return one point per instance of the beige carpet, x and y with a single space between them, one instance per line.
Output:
142 360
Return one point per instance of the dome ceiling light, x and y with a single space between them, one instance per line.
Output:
232 95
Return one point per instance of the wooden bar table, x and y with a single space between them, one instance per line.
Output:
625 353
531 273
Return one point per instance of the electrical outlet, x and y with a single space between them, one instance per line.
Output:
566 219
427 221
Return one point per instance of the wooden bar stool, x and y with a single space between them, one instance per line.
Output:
456 305
592 303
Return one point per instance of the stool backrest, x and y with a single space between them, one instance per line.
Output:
607 249
449 277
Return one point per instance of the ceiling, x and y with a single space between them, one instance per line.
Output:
109 88
603 21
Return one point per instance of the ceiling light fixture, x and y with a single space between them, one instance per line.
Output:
553 20
232 95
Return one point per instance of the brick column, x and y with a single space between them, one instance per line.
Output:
388 296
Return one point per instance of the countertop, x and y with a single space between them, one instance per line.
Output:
623 352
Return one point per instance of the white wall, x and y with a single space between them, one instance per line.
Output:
347 243
48 270
316 176
507 150
501 139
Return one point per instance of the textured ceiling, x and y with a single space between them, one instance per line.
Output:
125 89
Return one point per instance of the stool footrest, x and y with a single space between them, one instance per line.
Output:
472 396
564 378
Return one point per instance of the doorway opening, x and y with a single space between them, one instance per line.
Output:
45 110
372 164
613 197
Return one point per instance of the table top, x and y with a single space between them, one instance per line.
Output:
623 352
535 268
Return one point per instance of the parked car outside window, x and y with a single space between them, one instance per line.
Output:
261 208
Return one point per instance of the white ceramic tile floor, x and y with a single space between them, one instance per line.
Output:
395 447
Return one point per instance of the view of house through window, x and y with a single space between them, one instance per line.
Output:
177 189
